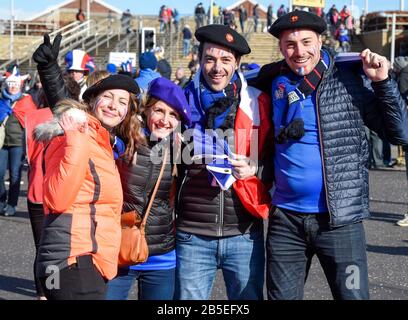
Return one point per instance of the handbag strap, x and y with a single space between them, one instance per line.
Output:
156 187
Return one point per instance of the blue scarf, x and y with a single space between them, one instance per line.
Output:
5 103
217 104
10 97
292 125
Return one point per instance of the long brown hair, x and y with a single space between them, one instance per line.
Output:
130 129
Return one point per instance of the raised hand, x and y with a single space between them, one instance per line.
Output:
47 53
375 66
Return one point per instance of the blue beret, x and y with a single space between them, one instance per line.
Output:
298 19
223 36
167 91
147 60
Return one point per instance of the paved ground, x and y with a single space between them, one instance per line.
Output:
387 247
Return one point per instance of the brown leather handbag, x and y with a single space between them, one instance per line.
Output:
133 246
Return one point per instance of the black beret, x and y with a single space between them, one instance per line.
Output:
298 20
116 81
224 36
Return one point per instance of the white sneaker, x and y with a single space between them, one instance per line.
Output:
403 222
9 211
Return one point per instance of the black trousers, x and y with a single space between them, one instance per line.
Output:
36 213
79 281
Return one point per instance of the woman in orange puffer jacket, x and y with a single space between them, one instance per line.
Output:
82 191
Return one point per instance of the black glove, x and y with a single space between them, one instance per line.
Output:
47 53
294 130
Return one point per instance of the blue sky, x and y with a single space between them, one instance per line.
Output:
27 8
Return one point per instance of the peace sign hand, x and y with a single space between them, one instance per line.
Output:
47 53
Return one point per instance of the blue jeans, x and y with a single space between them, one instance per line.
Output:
241 258
292 241
186 47
152 284
11 159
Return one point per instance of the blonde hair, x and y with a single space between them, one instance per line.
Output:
96 76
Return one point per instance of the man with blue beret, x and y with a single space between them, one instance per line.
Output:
320 107
221 203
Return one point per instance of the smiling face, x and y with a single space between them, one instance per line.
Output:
110 107
218 65
161 119
301 49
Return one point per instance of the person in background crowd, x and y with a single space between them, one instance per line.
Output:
281 11
14 105
199 15
342 36
80 16
126 21
176 20
181 79
321 152
269 15
255 16
400 72
193 65
187 35
78 65
219 226
147 65
164 109
36 91
163 66
243 16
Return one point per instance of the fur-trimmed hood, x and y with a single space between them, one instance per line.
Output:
44 132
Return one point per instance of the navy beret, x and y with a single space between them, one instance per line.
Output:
224 36
167 91
147 60
298 19
116 81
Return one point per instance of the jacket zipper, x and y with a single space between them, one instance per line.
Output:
148 182
322 148
221 220
181 187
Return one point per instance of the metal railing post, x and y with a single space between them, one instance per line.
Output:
392 54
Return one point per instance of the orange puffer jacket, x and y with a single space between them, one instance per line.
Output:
82 201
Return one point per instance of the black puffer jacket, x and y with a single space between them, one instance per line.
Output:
138 180
207 210
346 100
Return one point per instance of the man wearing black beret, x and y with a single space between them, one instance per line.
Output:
320 107
219 225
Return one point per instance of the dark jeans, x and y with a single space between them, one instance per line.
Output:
292 241
36 213
11 159
79 281
152 284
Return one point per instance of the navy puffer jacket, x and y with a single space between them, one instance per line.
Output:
346 101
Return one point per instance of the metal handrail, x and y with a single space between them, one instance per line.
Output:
31 47
88 35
